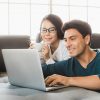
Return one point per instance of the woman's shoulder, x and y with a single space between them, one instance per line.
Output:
62 44
62 41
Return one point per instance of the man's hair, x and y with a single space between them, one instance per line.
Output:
81 26
57 22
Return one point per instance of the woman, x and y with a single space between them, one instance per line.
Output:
53 48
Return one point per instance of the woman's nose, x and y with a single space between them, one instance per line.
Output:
47 33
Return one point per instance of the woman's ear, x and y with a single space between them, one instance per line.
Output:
87 39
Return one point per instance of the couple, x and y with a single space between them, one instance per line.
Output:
83 68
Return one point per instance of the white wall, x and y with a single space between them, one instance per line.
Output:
24 16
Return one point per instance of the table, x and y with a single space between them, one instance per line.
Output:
9 92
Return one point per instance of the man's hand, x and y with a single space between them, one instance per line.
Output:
57 80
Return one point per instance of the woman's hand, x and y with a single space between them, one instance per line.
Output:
31 45
46 51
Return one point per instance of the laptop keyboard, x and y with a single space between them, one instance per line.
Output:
54 85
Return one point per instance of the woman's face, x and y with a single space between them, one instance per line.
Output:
48 32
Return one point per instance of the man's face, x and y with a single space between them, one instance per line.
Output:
75 43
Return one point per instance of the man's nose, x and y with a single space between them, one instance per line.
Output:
68 43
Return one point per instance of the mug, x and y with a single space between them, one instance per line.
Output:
38 46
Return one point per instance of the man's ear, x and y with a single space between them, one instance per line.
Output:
87 39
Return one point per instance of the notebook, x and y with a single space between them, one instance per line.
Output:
24 69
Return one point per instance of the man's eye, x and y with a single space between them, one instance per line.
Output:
65 40
73 38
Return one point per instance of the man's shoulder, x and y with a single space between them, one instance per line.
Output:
97 51
69 60
98 54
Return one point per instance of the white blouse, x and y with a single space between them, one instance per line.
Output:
59 54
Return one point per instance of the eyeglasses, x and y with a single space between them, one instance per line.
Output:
50 30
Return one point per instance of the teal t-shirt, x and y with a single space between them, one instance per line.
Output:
72 67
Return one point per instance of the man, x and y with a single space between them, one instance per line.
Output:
83 68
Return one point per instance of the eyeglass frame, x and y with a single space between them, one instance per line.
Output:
47 30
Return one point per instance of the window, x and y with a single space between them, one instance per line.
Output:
36 18
3 19
23 17
19 19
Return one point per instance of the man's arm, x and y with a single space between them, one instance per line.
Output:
89 82
60 68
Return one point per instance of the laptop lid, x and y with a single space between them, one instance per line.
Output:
24 69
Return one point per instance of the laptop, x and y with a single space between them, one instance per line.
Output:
24 69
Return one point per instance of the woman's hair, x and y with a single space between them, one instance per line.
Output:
57 22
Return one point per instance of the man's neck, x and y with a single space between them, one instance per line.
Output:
86 57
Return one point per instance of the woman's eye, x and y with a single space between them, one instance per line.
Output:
52 30
43 30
